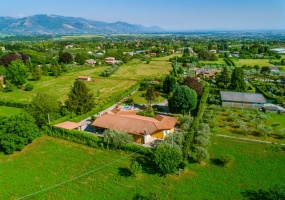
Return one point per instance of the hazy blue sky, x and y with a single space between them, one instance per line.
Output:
168 14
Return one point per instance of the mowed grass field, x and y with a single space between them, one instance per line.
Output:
4 110
103 88
138 70
50 161
252 62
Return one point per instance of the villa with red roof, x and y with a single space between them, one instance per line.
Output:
143 129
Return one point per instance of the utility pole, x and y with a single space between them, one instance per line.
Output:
48 119
172 139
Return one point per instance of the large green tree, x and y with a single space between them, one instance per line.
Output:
17 73
80 58
265 71
150 94
16 131
194 84
43 107
65 58
80 99
224 78
169 84
237 82
183 100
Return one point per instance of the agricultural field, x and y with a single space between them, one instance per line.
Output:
220 61
49 161
138 70
245 124
252 62
4 110
126 76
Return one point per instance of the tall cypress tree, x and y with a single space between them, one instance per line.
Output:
237 82
80 99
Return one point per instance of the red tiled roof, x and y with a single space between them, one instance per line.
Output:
69 125
83 77
135 124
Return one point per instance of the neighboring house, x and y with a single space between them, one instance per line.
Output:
203 72
171 51
143 129
213 51
69 125
278 50
84 78
90 62
68 46
111 60
129 53
152 54
242 100
273 69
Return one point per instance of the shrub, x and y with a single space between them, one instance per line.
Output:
226 160
29 87
117 139
201 154
135 168
167 158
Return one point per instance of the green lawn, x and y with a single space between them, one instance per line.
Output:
139 70
49 161
220 61
60 86
126 76
4 110
139 99
252 62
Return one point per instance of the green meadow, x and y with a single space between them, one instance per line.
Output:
50 161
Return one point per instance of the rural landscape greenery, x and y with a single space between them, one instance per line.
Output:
216 152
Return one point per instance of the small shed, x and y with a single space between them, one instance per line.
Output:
69 125
84 78
90 62
242 100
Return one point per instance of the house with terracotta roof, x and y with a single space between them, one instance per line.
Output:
69 125
143 129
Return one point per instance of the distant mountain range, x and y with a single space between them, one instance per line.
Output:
60 25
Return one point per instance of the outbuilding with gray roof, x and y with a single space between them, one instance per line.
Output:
242 100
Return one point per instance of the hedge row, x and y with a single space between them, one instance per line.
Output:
195 125
144 85
252 89
139 149
74 136
108 72
266 95
90 139
201 109
229 62
13 104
